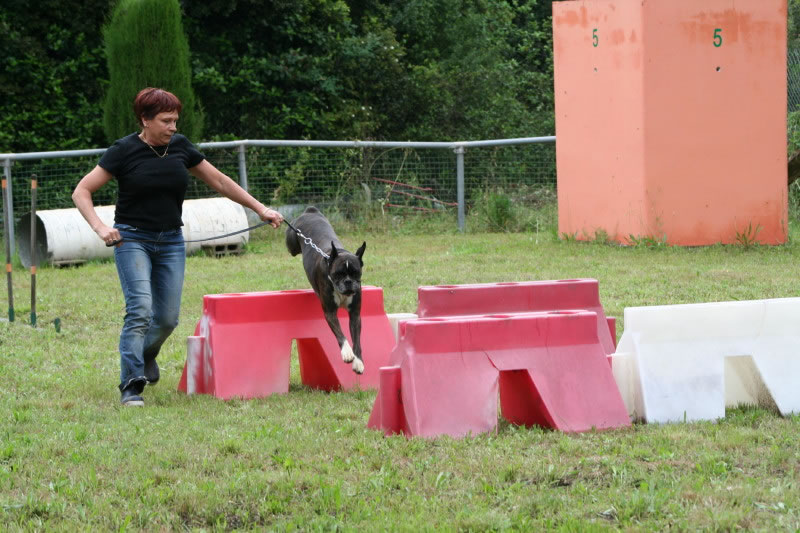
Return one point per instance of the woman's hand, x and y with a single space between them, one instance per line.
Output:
274 218
109 235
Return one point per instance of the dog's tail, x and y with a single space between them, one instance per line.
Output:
292 242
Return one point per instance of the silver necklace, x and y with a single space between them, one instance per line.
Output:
161 156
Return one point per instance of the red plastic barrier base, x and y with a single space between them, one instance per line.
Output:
242 344
548 369
518 297
389 404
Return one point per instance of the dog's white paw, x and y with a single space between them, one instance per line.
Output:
358 366
347 352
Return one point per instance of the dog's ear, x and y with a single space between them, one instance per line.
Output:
360 253
333 254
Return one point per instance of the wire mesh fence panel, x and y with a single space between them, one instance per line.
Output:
56 179
402 179
392 177
226 160
397 179
293 175
793 79
526 173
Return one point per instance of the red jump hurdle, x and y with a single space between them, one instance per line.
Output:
242 344
549 369
518 297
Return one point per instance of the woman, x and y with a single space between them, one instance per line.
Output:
151 172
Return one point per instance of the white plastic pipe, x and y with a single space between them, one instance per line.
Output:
63 237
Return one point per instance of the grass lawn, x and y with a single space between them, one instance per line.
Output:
72 459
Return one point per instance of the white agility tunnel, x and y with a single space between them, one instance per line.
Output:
689 362
63 237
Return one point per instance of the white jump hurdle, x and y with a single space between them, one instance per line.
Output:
689 362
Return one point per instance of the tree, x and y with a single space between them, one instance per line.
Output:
146 47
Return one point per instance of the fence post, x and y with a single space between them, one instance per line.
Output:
9 205
459 150
7 239
242 166
34 186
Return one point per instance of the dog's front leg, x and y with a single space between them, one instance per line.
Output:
354 311
333 322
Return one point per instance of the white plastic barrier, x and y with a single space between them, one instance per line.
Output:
63 236
688 362
396 318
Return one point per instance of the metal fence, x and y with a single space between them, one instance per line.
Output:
402 177
793 79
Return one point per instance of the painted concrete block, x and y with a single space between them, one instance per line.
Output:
671 119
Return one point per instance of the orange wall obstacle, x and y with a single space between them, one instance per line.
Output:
671 120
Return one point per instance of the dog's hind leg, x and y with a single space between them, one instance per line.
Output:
292 242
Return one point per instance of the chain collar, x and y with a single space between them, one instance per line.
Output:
308 240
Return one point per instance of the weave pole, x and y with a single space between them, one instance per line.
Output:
33 249
7 238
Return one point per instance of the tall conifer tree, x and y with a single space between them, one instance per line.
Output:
147 47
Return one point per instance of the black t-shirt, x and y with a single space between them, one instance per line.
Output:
151 188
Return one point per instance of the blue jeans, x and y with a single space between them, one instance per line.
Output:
151 275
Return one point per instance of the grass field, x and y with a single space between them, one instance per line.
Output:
72 459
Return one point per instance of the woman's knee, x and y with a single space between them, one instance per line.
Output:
138 309
166 323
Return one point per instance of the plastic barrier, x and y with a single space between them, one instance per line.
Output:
516 297
688 362
242 344
446 373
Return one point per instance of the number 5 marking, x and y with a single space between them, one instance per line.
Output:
718 37
595 38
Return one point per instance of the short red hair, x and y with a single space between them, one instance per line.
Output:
151 101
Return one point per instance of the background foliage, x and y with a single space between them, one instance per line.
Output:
316 69
52 75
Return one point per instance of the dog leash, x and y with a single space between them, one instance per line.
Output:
114 243
306 240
